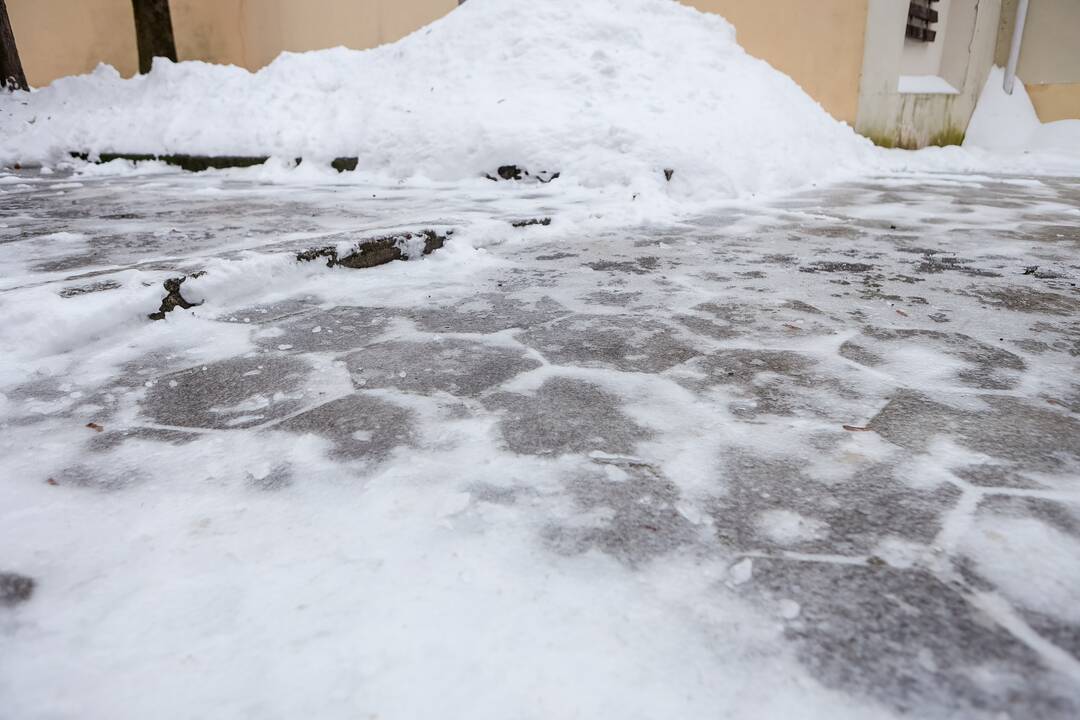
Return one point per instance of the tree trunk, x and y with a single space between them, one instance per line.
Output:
11 71
153 29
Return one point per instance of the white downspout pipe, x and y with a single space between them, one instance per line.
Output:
1014 50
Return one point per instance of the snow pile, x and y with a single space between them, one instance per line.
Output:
1008 123
609 92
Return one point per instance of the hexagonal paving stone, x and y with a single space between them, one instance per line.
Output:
1033 437
785 383
986 367
643 522
910 642
1026 300
235 393
339 329
458 367
275 311
624 343
724 320
1024 549
772 504
113 438
565 416
359 425
486 313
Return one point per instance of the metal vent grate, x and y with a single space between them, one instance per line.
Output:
920 20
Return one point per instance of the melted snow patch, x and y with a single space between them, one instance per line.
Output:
1032 563
64 237
787 528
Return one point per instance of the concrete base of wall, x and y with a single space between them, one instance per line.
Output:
917 121
199 163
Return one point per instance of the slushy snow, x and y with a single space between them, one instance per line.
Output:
609 92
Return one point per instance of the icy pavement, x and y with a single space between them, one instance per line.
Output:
812 457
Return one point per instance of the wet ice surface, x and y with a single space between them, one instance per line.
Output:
545 472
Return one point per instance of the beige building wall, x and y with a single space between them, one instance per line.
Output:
67 37
1056 101
819 43
1049 56
210 31
272 26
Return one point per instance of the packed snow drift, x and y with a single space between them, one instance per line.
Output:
1008 123
609 92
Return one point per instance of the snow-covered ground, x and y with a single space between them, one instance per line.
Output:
547 471
795 433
